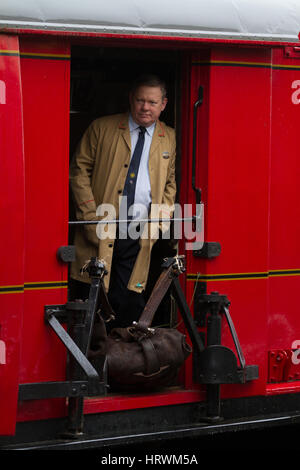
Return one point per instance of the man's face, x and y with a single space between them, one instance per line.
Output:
146 104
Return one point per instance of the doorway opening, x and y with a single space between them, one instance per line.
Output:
100 82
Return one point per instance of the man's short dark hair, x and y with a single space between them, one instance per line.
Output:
151 81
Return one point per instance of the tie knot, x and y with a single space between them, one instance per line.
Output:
142 129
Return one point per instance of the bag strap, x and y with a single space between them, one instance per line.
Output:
173 267
106 309
152 363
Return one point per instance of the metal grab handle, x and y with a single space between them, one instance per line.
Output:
196 106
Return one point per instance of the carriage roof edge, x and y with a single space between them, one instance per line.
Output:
263 20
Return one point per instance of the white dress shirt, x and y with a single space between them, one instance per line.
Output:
143 186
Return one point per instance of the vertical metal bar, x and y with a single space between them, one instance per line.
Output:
90 314
187 316
75 417
82 328
75 404
214 329
213 402
196 106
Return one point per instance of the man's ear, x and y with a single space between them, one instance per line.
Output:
164 103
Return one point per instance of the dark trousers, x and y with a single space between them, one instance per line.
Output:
127 305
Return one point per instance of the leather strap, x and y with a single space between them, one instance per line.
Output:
106 309
162 284
151 359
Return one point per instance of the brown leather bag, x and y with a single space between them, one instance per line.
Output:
141 357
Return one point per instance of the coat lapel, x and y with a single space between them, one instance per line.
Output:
156 139
124 127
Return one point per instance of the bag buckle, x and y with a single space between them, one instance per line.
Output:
145 332
179 264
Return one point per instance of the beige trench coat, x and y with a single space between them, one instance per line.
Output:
97 175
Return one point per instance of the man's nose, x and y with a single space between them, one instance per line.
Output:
145 105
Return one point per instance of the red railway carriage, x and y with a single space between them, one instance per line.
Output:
233 75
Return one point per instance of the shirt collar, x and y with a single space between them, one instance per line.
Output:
133 126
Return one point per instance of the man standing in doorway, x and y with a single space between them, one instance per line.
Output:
130 155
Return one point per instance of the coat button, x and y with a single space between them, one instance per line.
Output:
110 245
126 166
119 191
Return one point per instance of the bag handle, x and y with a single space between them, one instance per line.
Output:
173 267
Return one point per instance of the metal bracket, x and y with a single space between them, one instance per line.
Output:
44 390
72 347
66 253
218 364
92 386
208 250
79 315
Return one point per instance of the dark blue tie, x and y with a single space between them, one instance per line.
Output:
130 183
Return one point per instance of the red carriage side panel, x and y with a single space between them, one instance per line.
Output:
45 87
12 230
284 324
233 171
